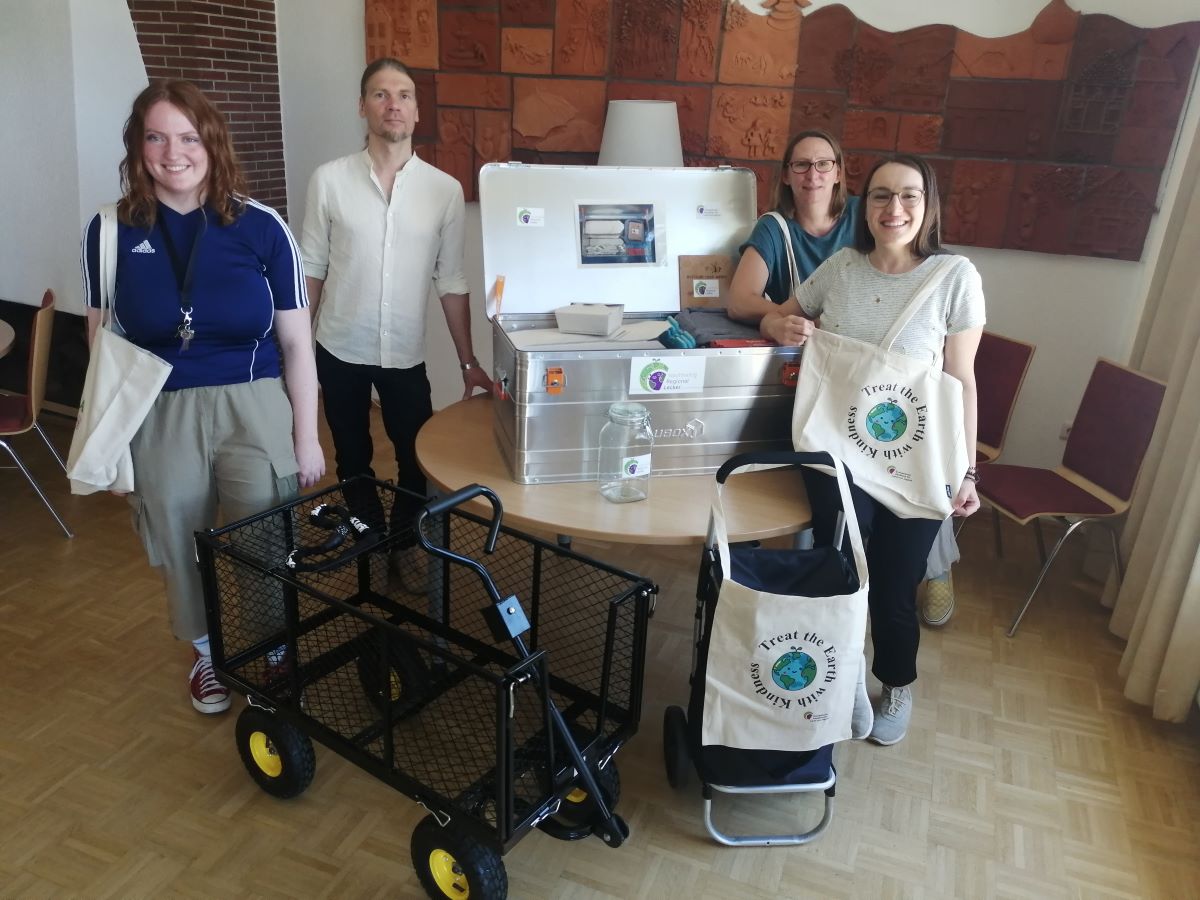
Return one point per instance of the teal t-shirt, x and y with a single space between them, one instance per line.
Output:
810 251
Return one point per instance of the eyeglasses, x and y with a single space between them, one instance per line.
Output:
909 197
824 166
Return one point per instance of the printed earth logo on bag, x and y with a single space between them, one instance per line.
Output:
887 423
799 675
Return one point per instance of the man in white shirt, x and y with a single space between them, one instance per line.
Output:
380 227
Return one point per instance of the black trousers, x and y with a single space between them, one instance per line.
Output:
406 402
897 550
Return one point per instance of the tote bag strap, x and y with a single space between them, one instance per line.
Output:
791 254
719 531
108 262
941 268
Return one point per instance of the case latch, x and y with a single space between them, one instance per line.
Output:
555 380
789 374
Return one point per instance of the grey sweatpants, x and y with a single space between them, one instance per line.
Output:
204 456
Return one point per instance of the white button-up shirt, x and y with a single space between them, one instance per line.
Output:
378 259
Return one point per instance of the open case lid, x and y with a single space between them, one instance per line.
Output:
604 234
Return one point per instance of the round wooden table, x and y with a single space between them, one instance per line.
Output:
7 336
457 447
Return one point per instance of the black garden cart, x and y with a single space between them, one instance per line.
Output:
495 696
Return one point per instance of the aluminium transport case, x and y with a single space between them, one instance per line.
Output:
554 235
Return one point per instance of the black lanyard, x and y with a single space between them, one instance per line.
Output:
184 281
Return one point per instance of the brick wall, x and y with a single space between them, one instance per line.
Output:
227 48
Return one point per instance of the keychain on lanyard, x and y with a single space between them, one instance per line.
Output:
184 332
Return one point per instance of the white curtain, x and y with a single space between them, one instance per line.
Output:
1157 607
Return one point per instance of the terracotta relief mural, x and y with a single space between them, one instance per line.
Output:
1053 139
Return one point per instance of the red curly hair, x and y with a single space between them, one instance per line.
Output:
226 187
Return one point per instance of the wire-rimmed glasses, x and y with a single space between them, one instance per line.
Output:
909 197
800 166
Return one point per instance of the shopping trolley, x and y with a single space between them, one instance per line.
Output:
822 571
497 723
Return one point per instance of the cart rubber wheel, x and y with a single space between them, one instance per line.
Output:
450 862
407 677
575 806
278 756
675 749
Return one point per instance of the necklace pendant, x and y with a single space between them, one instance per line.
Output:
185 334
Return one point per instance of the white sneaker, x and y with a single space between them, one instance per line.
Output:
863 718
893 715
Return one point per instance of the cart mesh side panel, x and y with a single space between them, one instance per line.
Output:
400 672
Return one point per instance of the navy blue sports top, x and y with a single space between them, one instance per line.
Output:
243 272
810 251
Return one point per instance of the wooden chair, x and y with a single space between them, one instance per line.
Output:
1001 364
1100 466
19 412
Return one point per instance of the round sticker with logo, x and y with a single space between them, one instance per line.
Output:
654 376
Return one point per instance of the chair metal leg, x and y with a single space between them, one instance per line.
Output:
53 450
1041 541
36 487
1012 629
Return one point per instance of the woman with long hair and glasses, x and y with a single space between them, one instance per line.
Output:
860 292
811 197
210 281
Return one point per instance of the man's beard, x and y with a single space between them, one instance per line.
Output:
392 136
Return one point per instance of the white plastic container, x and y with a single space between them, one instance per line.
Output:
600 319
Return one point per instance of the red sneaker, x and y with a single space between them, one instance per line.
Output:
208 694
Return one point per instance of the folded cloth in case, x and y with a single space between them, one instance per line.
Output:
706 325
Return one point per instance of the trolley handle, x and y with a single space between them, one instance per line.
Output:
773 458
444 504
458 498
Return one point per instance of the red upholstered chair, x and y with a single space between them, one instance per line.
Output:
1000 367
1094 483
19 412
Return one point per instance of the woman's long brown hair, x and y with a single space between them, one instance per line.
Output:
226 187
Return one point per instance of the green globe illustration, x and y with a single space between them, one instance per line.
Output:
886 421
794 671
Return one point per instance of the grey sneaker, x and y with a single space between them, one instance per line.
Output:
863 718
892 717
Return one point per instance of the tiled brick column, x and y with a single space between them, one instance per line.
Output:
228 49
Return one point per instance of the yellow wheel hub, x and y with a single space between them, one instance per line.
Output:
447 875
577 796
265 756
396 687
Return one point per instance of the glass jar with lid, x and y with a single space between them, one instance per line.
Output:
626 442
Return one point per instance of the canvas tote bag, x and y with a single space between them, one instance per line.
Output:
121 385
782 666
896 421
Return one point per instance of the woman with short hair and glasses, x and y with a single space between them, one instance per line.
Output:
811 196
860 292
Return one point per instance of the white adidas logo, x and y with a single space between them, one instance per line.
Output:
143 247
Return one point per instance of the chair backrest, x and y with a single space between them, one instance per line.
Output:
39 354
1000 367
1113 427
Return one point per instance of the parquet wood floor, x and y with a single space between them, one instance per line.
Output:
1025 774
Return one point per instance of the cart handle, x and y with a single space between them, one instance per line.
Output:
774 458
458 498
